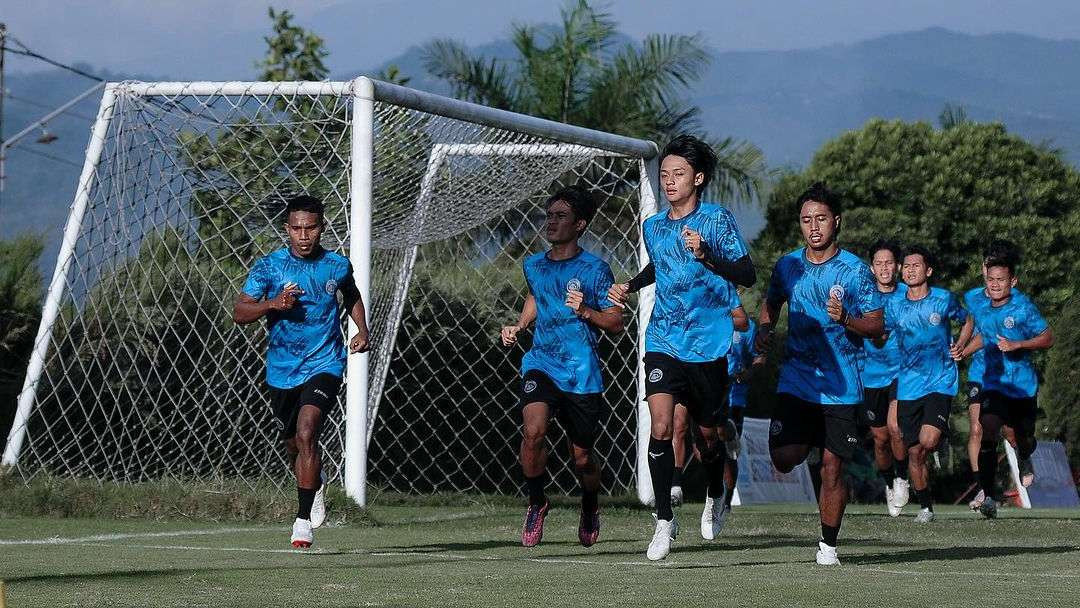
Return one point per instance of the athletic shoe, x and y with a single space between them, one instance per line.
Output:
301 533
589 528
988 508
660 545
894 511
977 502
732 443
533 530
925 516
712 517
826 555
901 492
676 496
318 506
1027 472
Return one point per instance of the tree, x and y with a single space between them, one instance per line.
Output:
292 52
576 75
1060 393
20 312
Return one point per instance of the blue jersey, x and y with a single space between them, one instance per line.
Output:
974 299
822 361
306 340
691 318
882 364
923 332
564 345
1011 374
740 358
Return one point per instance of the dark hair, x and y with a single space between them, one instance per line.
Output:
697 153
919 250
888 245
819 193
1002 250
1006 261
579 199
303 202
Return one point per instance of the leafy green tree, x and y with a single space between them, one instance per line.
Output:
577 75
20 312
293 53
1060 393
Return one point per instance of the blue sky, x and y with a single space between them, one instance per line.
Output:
220 39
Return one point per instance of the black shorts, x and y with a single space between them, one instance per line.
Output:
932 410
319 390
578 413
874 409
1019 413
974 393
736 414
798 422
701 387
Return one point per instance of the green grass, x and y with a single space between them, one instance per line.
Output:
469 555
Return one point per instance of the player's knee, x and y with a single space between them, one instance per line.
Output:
711 451
305 439
582 462
533 435
662 429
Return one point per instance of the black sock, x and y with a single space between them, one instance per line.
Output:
306 496
676 476
886 476
987 468
661 468
589 501
925 498
901 468
534 486
715 471
829 534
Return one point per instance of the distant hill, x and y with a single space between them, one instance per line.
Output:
786 102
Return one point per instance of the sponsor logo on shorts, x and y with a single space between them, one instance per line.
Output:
321 394
851 439
736 338
776 427
836 291
935 318
331 286
941 418
870 415
656 375
530 386
655 456
974 392
1010 322
573 284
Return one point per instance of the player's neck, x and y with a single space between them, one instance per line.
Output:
683 208
1003 301
316 251
918 292
820 256
886 287
563 251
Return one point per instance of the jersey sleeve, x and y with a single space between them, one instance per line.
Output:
776 295
956 312
347 284
257 284
735 301
725 238
1034 323
603 279
866 296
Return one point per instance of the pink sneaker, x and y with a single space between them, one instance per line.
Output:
589 528
533 530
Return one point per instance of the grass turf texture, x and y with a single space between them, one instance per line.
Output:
469 555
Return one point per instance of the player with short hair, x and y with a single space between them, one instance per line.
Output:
1010 328
833 306
561 375
295 288
698 256
879 386
927 383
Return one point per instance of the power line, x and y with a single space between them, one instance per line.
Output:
47 107
28 53
48 156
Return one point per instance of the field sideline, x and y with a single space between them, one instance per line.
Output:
469 555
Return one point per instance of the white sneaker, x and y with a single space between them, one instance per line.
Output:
676 496
301 533
712 517
660 545
977 502
901 492
318 507
826 555
925 516
890 497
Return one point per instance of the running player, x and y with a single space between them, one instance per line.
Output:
742 360
295 288
921 323
832 306
561 372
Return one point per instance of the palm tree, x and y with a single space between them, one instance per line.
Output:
575 76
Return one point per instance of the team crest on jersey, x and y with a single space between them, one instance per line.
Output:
656 375
530 386
331 286
776 427
836 291
573 284
1010 322
935 318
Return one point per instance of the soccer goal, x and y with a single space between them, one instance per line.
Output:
138 372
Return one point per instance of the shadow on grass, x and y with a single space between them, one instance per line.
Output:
956 553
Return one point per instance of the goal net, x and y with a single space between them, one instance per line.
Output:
139 372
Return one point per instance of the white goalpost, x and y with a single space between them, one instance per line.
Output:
138 372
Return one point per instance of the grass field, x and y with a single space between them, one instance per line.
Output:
469 555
